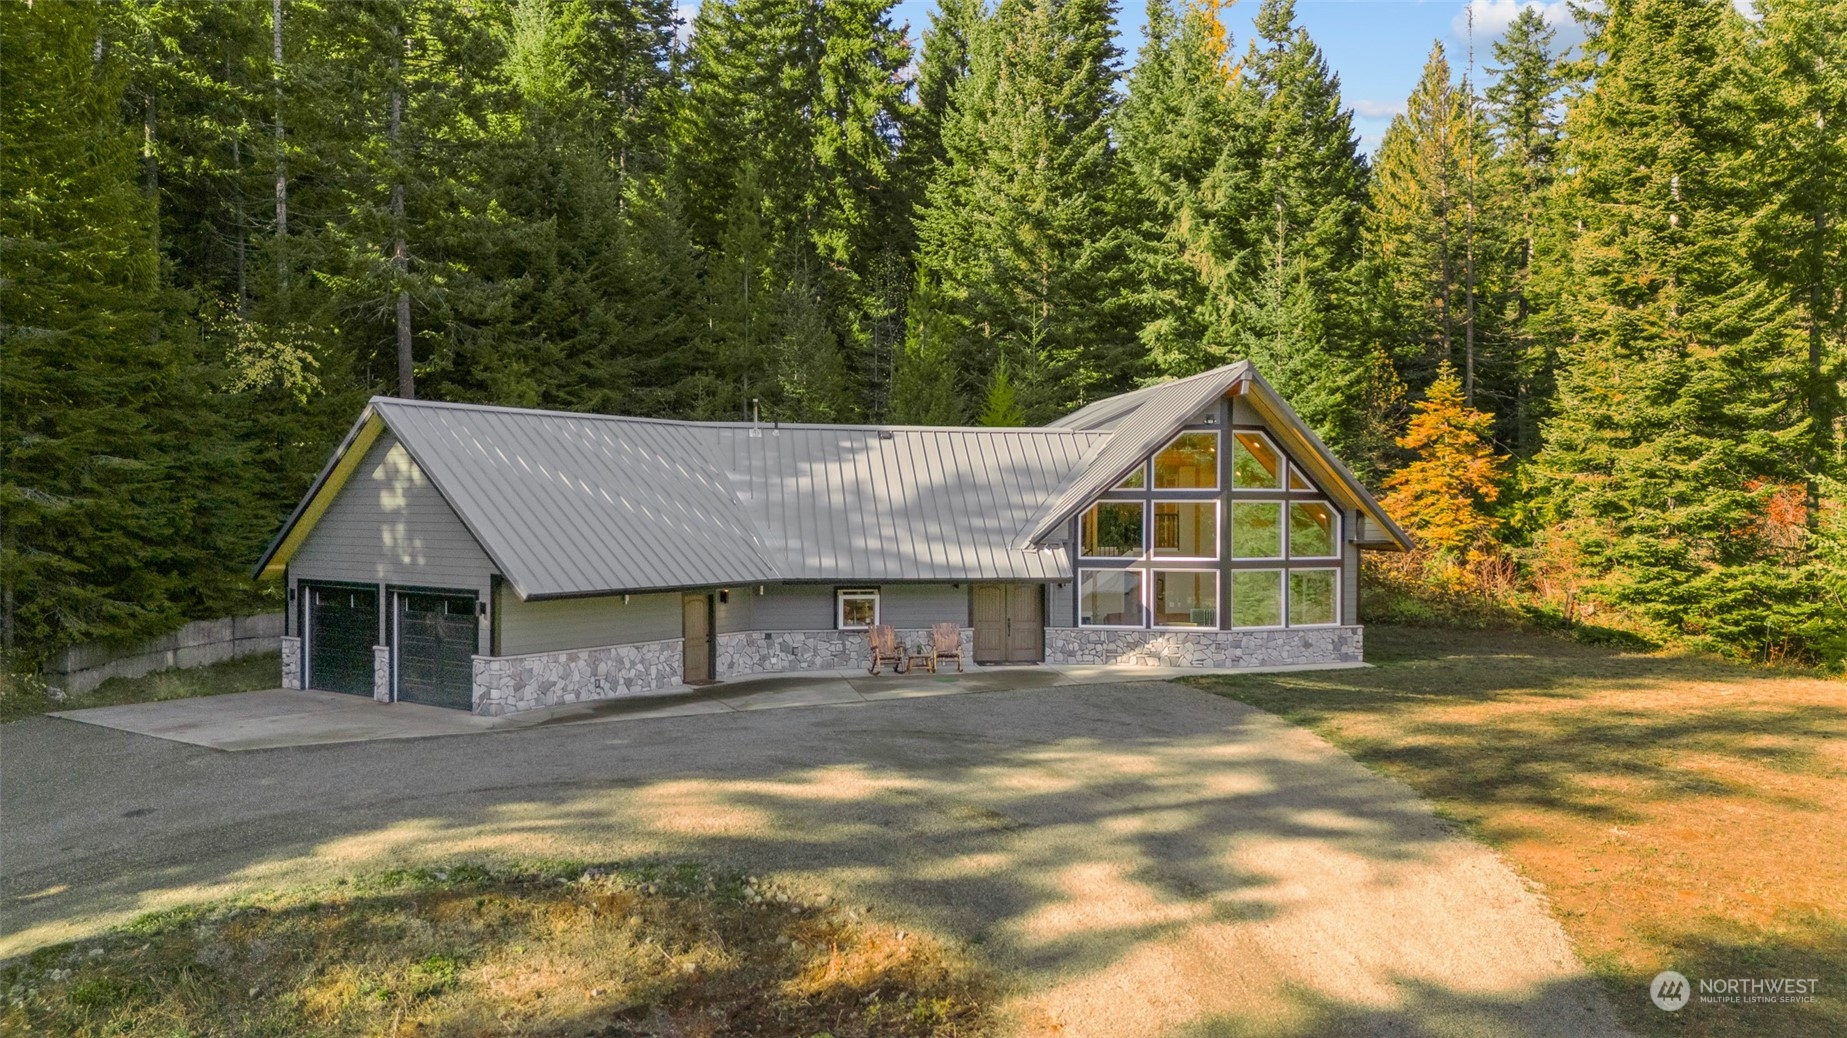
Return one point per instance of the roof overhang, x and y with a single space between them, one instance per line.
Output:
339 468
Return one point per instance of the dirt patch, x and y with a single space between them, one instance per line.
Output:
616 952
1681 813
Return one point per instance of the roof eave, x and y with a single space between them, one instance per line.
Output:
366 427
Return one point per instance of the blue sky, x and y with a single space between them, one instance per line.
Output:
1377 46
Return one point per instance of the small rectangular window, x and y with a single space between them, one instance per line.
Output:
1311 597
1256 530
1112 530
1110 598
1312 530
1189 461
1186 598
1255 463
1186 530
1257 598
856 609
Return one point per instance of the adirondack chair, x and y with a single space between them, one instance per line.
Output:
883 638
945 644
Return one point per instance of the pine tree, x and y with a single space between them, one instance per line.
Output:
924 378
1521 105
1415 222
1002 407
1295 183
1017 227
1679 418
90 513
1172 128
1799 147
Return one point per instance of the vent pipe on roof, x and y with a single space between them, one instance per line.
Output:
755 433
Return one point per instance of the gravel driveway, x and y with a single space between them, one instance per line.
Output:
1140 859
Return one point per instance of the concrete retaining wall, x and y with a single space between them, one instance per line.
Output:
81 668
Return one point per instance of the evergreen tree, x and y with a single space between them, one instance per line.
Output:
924 379
1173 128
1295 184
1017 227
1001 408
90 515
1679 417
1521 106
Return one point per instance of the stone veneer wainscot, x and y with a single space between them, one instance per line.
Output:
381 673
291 661
780 652
1291 647
508 684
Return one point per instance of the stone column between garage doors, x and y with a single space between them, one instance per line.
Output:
381 673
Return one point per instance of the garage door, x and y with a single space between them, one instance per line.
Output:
436 645
343 625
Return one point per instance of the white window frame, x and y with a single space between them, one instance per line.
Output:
1334 535
1282 531
1143 583
1138 502
1218 467
1218 596
1282 597
1288 595
1218 528
841 595
1284 464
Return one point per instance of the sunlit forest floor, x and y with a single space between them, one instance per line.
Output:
1679 812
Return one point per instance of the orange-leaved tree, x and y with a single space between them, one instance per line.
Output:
1442 494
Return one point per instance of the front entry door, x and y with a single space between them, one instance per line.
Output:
1009 623
342 625
696 627
437 640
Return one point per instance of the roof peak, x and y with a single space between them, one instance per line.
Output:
392 401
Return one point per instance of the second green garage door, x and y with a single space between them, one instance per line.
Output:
437 639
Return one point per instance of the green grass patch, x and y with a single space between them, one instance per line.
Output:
25 696
554 949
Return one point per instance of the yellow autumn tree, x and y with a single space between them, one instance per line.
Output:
1441 495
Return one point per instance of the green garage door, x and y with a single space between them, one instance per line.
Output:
436 645
343 624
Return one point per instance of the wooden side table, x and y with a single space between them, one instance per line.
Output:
927 658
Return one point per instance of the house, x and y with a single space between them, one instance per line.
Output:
497 559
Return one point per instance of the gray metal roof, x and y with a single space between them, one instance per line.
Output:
1157 413
573 504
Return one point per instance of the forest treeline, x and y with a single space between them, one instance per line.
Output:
1589 306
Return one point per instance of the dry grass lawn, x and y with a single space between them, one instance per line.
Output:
1680 813
562 950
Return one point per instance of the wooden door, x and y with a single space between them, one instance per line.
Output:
1025 623
1009 623
990 623
696 628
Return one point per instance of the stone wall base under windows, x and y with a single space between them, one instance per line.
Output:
1297 646
508 684
782 652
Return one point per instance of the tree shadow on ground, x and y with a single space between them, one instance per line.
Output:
1109 845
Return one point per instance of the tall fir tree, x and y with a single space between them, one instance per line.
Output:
1522 106
86 468
1294 183
1017 229
1173 127
1679 419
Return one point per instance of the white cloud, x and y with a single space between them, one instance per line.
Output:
1492 17
1366 108
685 13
